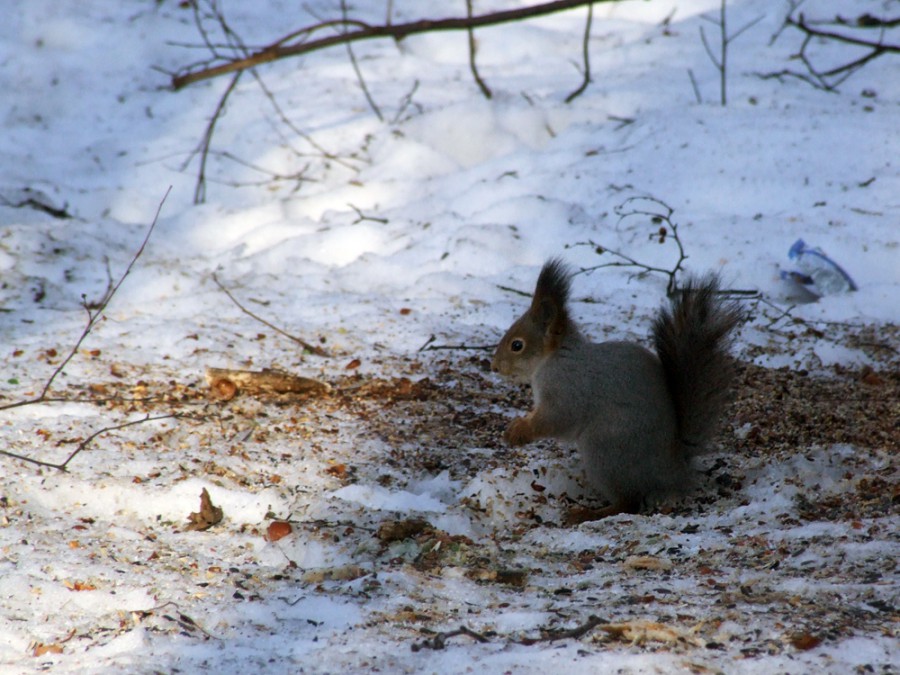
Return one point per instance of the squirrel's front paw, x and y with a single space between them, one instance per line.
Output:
518 432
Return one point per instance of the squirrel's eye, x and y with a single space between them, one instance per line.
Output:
517 345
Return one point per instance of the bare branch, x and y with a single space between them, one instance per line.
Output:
439 640
586 56
206 141
668 229
82 445
473 48
829 80
359 76
313 349
300 42
94 313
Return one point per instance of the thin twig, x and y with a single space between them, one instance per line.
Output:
360 216
563 634
663 234
313 349
832 78
473 48
94 314
295 129
82 445
406 102
439 640
721 63
359 75
586 56
206 141
694 85
428 347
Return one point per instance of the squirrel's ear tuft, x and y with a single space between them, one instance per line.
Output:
548 306
554 282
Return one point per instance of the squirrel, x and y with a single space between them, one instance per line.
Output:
638 417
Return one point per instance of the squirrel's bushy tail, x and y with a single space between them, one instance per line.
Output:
692 338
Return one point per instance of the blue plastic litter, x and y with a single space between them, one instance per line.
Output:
817 273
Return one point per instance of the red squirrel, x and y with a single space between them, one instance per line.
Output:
638 417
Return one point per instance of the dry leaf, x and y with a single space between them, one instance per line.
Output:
337 470
79 586
40 649
278 529
208 515
805 641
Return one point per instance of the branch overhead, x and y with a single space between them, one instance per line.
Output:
298 42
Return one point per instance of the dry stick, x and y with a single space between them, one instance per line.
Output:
359 77
93 315
586 55
302 134
203 148
697 95
439 641
318 351
721 63
576 632
473 48
86 442
282 49
428 346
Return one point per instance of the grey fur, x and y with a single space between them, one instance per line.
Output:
637 418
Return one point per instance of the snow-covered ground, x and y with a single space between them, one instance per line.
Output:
373 239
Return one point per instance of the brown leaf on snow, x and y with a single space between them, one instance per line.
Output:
208 515
278 529
337 470
804 641
40 649
79 586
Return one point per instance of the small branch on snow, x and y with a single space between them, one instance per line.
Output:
203 148
721 63
667 229
360 216
586 56
82 445
574 633
439 640
94 313
359 76
473 48
428 346
312 349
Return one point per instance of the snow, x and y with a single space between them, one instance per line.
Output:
412 231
